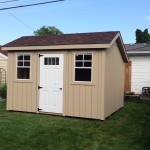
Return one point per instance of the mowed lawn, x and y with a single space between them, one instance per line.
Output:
127 129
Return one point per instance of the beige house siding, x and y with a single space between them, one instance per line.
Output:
2 58
3 64
114 81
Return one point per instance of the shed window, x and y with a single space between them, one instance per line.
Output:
83 67
23 66
51 61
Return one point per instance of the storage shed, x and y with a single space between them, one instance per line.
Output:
78 75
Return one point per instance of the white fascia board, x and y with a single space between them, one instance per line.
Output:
4 56
138 52
56 47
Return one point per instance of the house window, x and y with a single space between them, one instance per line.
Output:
23 66
83 67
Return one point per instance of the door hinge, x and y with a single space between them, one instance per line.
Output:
39 109
39 87
40 55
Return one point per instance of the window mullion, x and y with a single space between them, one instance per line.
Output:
82 73
23 72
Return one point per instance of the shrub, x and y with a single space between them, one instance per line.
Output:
3 91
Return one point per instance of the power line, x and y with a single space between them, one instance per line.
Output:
31 4
9 1
19 20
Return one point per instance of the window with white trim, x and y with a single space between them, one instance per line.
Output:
23 66
83 67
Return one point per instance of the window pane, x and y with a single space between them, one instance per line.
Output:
53 61
79 57
57 60
20 63
88 57
82 74
50 61
26 57
20 57
45 61
79 64
26 63
23 73
87 64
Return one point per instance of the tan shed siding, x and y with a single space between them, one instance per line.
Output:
83 100
101 85
10 78
114 81
34 84
22 96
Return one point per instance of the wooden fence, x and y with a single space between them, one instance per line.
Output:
127 78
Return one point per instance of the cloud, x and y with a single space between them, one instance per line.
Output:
148 18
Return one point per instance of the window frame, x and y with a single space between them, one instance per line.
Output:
16 66
83 53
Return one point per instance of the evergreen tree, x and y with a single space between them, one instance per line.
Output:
142 37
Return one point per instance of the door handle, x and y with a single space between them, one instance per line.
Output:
60 88
39 87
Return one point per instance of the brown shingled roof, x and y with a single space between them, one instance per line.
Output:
64 39
3 52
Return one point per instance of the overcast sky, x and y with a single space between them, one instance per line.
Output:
75 16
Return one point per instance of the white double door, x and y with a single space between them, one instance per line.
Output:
51 83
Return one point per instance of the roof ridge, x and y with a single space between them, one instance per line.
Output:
69 34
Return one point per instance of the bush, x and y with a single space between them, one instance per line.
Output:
3 91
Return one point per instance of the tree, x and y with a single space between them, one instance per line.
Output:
142 37
47 31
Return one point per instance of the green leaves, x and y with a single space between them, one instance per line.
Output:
47 31
142 37
3 91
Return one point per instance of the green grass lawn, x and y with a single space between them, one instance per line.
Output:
127 129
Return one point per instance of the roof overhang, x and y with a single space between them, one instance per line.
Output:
61 47
117 38
121 46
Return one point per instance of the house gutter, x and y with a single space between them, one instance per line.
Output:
138 53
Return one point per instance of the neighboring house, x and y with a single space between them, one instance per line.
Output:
3 66
139 55
80 75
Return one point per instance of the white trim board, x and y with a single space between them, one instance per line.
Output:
56 47
3 55
138 52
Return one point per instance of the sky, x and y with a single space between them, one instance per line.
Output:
75 16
